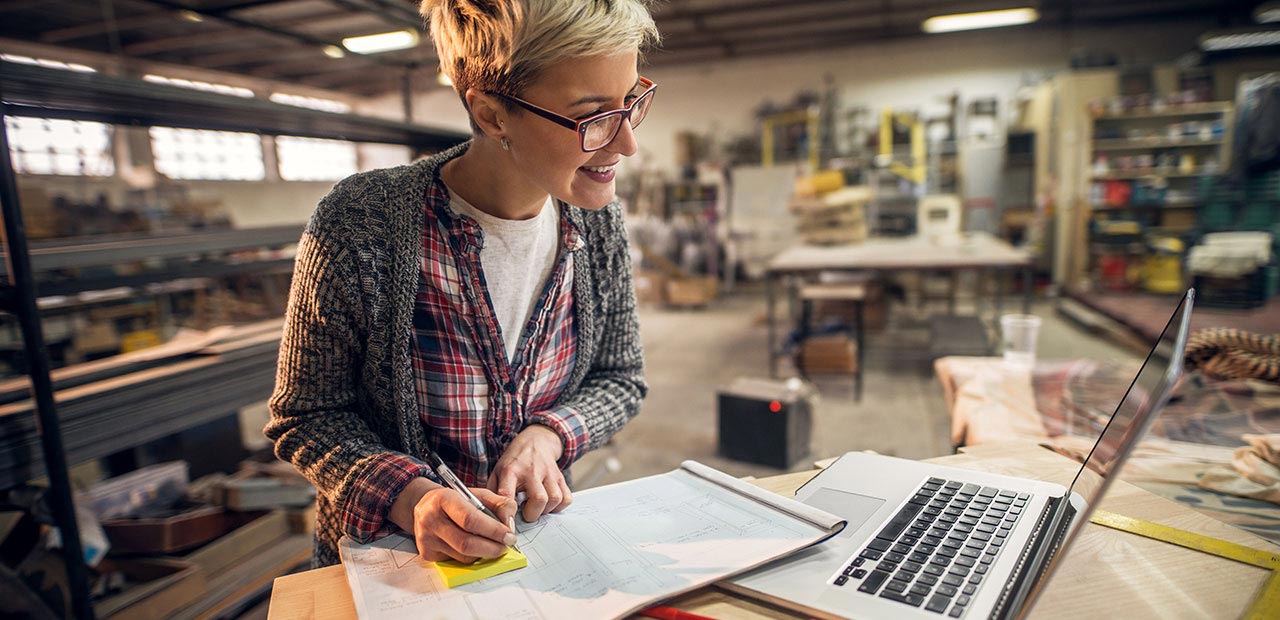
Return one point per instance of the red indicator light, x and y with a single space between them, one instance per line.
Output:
775 406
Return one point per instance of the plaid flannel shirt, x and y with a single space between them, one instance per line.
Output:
472 400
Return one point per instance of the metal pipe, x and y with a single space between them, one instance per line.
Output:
37 357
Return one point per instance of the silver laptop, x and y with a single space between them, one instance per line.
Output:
929 541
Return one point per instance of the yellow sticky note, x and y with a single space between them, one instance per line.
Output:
456 573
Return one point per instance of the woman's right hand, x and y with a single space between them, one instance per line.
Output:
447 527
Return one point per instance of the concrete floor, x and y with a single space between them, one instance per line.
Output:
691 353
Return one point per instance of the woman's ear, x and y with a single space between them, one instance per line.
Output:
487 112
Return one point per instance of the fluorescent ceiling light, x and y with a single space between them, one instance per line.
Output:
45 62
1240 39
378 43
982 19
333 51
1267 13
191 16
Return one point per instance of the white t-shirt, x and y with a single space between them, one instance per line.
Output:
517 258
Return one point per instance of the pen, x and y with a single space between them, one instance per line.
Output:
453 482
662 612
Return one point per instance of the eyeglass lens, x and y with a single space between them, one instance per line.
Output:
601 131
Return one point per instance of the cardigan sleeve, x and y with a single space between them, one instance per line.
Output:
314 422
614 386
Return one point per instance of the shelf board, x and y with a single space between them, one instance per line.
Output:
1194 109
51 93
1123 175
102 250
1161 207
1137 144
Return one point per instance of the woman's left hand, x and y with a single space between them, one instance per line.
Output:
529 465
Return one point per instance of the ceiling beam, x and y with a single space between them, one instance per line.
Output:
80 31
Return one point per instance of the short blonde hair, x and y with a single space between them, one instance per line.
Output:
502 46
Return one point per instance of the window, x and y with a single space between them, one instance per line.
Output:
315 103
202 154
313 159
55 146
221 89
52 64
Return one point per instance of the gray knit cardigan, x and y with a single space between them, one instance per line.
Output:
344 384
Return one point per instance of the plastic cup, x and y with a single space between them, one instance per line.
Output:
1018 335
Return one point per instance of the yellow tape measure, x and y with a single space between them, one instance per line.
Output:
1266 605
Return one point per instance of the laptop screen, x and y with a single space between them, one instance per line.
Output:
1147 393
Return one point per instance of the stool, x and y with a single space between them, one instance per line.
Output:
854 292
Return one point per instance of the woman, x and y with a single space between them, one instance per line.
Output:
476 304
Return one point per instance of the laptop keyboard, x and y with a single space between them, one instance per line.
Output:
938 549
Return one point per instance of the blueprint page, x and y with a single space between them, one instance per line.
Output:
615 550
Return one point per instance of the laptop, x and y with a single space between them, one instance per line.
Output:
930 541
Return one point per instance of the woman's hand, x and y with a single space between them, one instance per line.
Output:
446 526
529 465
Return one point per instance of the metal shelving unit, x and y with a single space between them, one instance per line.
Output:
158 401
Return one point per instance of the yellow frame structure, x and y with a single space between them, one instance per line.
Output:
808 117
915 171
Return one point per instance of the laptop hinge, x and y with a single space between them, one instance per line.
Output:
1046 540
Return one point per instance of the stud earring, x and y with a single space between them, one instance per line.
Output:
506 145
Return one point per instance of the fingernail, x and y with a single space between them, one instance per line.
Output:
509 539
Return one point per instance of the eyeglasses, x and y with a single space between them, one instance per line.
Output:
598 130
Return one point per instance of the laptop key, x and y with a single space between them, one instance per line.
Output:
915 531
937 481
970 589
859 561
887 566
870 554
1024 496
997 542
946 552
968 552
956 611
938 604
965 562
894 557
959 571
981 569
932 540
927 580
939 560
896 586
952 484
912 567
976 579
927 550
983 536
873 581
988 492
919 557
947 591
908 540
919 589
933 569
859 573
913 600
952 581
970 488
900 548
841 580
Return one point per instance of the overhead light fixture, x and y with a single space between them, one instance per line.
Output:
1221 40
333 51
378 43
981 19
191 16
1267 13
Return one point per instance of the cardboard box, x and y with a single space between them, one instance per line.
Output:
834 353
651 287
691 292
162 587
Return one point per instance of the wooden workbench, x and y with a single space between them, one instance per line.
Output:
1107 573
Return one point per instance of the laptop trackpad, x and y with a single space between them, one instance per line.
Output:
854 508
